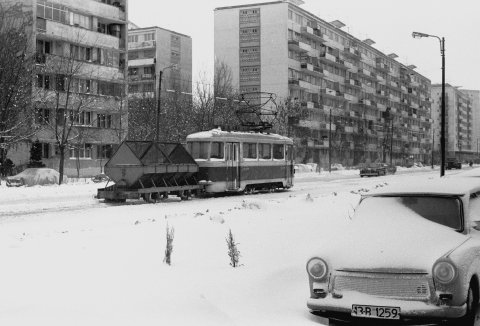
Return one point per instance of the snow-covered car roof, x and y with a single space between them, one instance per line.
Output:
444 186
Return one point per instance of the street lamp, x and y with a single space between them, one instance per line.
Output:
159 98
442 128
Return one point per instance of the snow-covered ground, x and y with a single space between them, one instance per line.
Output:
69 259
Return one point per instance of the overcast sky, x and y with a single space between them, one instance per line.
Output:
389 23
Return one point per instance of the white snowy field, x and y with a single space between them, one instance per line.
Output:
70 259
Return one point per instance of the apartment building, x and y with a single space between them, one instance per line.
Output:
153 50
459 121
80 81
474 96
354 102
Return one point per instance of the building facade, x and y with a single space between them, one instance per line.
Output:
353 103
474 96
459 124
80 84
156 49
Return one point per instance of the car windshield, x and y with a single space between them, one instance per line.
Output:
439 209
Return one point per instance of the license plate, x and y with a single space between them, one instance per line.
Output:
379 312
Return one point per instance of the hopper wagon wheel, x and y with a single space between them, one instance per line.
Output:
148 197
184 194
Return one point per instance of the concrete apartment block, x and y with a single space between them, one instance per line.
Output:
360 103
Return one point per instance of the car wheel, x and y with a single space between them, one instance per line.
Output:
472 308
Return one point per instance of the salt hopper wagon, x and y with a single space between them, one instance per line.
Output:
149 170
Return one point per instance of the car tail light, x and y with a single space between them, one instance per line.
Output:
317 269
444 272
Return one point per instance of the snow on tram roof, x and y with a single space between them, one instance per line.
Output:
218 133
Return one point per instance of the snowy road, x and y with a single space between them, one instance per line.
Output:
69 259
20 202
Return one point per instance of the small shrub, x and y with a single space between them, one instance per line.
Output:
169 248
233 251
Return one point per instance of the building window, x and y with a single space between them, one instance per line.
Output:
149 70
148 87
133 88
81 151
148 53
104 121
104 151
132 38
43 81
45 150
149 37
42 116
52 11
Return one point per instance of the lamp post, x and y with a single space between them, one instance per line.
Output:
159 103
442 128
330 143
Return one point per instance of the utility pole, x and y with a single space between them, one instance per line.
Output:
330 144
159 105
391 140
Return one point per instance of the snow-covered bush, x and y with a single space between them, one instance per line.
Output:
169 248
233 251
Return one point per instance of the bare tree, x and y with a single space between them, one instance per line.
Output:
216 106
17 62
142 114
66 92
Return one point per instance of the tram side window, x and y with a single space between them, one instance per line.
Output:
265 151
217 150
250 150
198 149
278 152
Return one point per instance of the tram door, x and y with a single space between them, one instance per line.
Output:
290 164
233 166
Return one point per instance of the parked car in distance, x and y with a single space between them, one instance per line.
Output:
409 254
452 163
376 169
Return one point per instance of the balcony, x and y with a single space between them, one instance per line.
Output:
88 37
382 107
329 91
329 57
310 69
353 82
141 62
313 33
350 66
351 52
142 45
298 46
383 67
381 93
114 11
293 82
350 98
394 98
365 101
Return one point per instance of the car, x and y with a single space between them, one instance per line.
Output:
373 169
452 163
408 255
